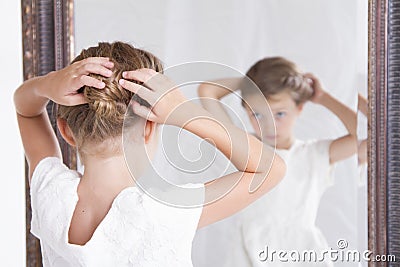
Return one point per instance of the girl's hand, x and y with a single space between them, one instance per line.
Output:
62 86
168 104
316 85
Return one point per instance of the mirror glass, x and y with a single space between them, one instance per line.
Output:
326 38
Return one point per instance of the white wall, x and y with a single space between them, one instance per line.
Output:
12 196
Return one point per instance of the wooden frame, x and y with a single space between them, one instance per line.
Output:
393 126
384 130
47 27
47 36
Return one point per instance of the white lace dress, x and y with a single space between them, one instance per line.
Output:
284 218
137 230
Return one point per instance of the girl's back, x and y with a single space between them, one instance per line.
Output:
121 237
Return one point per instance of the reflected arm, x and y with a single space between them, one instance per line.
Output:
344 146
259 168
362 105
362 145
211 93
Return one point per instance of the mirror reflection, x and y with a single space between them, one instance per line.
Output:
309 59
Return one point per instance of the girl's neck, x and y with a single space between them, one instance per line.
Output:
287 143
110 172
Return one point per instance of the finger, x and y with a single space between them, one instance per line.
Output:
151 79
143 111
140 75
310 78
141 91
94 68
76 99
85 80
95 60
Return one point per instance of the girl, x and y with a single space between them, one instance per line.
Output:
100 217
285 218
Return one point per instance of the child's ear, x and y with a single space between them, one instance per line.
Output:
65 131
150 128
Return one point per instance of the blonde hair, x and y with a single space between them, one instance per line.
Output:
102 118
275 75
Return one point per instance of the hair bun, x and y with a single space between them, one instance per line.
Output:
301 88
103 108
103 115
108 103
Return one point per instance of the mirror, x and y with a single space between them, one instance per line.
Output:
308 33
327 38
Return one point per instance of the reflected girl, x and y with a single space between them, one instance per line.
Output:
285 219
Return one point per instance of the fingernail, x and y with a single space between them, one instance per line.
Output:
109 73
124 74
121 81
102 84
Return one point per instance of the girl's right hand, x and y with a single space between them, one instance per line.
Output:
168 104
62 86
319 93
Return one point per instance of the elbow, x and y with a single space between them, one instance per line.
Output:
353 144
275 174
202 90
362 152
16 97
207 91
269 178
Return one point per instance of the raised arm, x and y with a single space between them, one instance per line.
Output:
212 92
362 144
31 98
362 104
345 146
259 169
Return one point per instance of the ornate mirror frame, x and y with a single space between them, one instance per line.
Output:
48 39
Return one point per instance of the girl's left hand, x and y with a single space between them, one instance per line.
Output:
168 104
316 85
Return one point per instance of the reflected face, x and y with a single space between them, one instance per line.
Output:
284 114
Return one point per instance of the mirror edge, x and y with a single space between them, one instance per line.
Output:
377 18
393 130
383 130
47 41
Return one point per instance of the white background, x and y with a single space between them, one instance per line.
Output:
12 189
